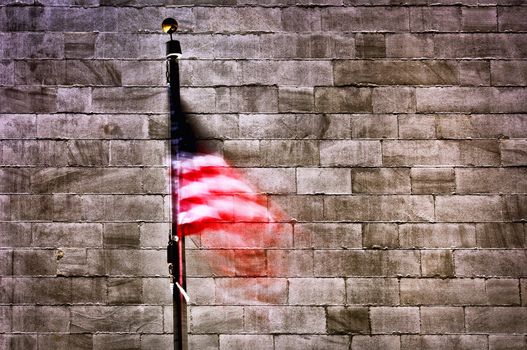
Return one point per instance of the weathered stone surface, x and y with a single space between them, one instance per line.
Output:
337 342
316 291
320 181
381 180
372 291
433 180
256 342
437 235
140 319
504 263
388 342
442 292
350 153
442 319
327 235
436 342
342 320
496 319
500 235
343 99
394 320
366 263
284 319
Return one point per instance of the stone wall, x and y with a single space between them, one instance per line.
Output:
394 133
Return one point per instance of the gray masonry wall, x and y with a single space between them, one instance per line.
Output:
394 132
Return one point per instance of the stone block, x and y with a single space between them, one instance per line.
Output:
289 153
223 126
125 291
513 152
271 180
40 72
510 19
284 319
327 235
210 263
135 262
216 319
200 341
40 319
437 235
234 46
13 180
93 73
433 180
366 263
18 341
500 235
298 19
394 319
365 19
67 235
496 319
39 45
436 342
437 263
435 19
350 153
244 153
479 45
28 99
19 126
295 99
490 263
337 342
15 234
121 235
323 181
288 73
409 45
343 99
470 208
139 319
243 291
417 126
343 320
474 73
508 73
391 72
374 126
65 341
79 45
370 45
442 319
433 291
440 152
372 291
290 263
90 290
491 180
50 291
116 341
256 342
247 99
481 126
19 152
129 100
316 291
507 342
503 291
380 235
74 100
250 263
138 152
387 342
381 180
379 208
479 19
394 100
34 262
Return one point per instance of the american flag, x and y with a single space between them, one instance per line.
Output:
211 192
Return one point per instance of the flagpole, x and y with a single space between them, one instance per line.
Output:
175 248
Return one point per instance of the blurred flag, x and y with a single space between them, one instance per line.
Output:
211 192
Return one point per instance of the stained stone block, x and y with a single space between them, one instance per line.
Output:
14 180
28 99
327 180
381 180
327 235
164 341
39 45
40 72
7 72
202 341
437 263
92 73
513 152
370 45
125 291
372 291
256 342
495 45
121 235
506 263
290 263
289 153
350 153
140 319
74 100
482 125
510 18
116 341
216 319
503 291
129 100
500 235
295 99
92 290
261 126
341 320
437 235
79 45
510 342
380 236
435 19
432 180
42 291
409 45
373 126
34 262
343 100
41 319
6 258
475 73
19 126
360 19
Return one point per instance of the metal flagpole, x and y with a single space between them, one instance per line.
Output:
175 248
